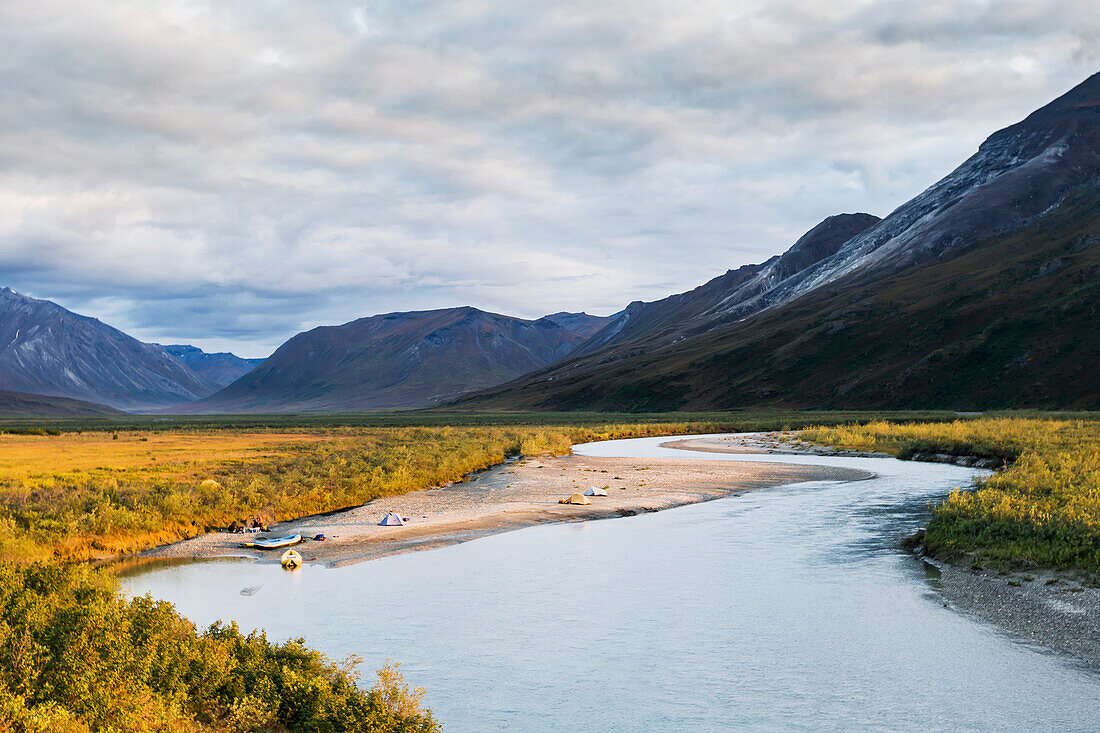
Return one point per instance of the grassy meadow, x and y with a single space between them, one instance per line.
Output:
1042 509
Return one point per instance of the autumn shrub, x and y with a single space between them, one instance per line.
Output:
76 656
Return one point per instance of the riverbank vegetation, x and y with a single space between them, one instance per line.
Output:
78 490
1041 509
81 496
75 657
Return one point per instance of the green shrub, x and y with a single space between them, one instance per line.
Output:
75 656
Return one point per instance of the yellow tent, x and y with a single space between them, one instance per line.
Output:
210 484
576 499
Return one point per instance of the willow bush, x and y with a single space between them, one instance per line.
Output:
76 657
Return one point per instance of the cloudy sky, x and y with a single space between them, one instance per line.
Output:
230 173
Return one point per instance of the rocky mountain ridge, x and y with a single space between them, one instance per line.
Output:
659 323
1017 174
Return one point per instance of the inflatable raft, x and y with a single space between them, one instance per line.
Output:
274 543
291 560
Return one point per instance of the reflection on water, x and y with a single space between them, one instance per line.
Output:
931 573
786 608
129 567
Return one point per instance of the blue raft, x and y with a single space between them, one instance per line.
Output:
274 543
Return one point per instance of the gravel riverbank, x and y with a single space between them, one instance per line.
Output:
508 497
1054 610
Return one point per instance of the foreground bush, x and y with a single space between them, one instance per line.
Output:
76 657
1042 509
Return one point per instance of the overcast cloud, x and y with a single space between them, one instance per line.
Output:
230 173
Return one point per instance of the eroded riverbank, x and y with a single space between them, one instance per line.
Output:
1058 610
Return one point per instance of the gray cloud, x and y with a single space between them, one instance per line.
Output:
227 174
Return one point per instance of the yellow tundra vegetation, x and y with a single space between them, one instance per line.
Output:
1043 508
92 494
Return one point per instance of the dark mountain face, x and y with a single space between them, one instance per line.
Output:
645 326
980 292
221 368
824 240
396 360
50 351
21 404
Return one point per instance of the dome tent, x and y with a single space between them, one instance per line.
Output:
576 499
391 520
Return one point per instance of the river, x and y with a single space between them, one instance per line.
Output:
786 608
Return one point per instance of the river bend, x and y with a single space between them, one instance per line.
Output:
786 608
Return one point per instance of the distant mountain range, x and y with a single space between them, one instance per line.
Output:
581 324
401 360
395 360
980 292
49 351
219 368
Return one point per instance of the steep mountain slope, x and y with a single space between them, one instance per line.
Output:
395 360
47 350
221 368
652 325
1018 173
1011 323
1038 173
21 404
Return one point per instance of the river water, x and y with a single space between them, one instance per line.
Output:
780 609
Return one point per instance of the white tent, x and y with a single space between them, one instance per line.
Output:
596 491
391 520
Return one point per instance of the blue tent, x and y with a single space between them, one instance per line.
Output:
391 520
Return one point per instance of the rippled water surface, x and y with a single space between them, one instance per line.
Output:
786 608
